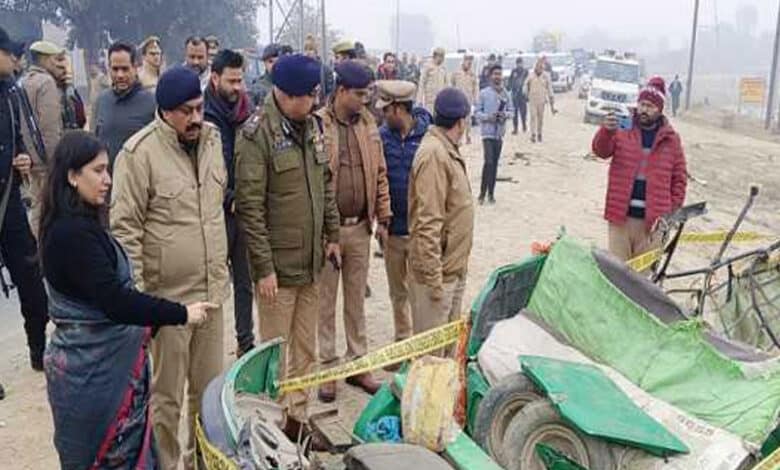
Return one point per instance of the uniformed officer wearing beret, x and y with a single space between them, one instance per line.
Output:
441 216
357 162
286 200
166 211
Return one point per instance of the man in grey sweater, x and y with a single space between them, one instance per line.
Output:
127 107
493 108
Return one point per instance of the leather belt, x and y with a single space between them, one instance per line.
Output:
350 221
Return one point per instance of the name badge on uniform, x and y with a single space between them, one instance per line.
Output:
281 145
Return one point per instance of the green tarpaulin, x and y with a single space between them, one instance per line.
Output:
584 395
672 362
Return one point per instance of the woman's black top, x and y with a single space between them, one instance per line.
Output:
79 261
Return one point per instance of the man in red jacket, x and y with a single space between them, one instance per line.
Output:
647 176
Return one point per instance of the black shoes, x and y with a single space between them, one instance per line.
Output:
2 392
36 362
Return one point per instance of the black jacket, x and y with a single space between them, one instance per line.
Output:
11 143
79 261
223 115
118 117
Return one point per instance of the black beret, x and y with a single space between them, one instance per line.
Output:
451 103
296 74
177 85
353 74
8 45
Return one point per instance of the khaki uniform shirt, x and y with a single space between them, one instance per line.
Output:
46 102
441 212
467 82
166 211
433 79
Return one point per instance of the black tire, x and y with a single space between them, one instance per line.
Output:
539 422
497 409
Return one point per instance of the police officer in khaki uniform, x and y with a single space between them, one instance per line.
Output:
433 79
152 56
344 50
357 162
169 185
441 216
45 97
465 80
285 197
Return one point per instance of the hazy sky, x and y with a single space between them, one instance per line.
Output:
511 23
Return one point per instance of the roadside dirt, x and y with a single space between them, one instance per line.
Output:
553 185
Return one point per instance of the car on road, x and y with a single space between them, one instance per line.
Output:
564 71
614 88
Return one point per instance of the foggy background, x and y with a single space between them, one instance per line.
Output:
735 36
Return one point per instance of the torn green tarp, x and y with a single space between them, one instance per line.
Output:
465 454
476 389
554 460
506 292
671 362
587 398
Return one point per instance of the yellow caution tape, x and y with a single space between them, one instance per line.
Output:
770 463
719 237
415 346
213 458
646 260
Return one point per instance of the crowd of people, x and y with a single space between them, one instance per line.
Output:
191 179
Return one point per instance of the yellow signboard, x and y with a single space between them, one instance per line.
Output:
752 90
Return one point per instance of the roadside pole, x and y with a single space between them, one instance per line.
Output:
324 41
270 21
397 27
301 19
773 76
693 55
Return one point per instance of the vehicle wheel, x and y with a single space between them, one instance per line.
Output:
497 409
539 422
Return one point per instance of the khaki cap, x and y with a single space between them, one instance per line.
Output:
146 42
343 47
46 48
393 91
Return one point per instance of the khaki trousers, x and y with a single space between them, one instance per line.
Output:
537 117
429 313
632 238
397 269
182 354
293 317
35 192
355 242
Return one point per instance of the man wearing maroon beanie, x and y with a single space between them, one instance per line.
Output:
647 176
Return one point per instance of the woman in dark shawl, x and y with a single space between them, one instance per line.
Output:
97 365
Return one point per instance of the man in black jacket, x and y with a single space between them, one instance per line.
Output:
517 88
227 106
17 245
127 107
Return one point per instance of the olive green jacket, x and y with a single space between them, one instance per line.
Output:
284 196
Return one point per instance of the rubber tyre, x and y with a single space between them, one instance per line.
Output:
540 422
497 409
